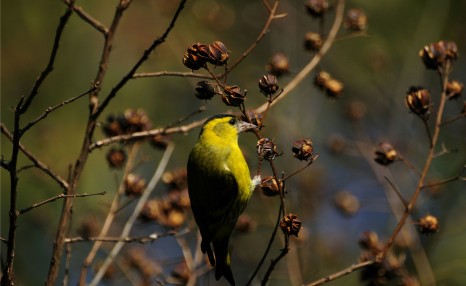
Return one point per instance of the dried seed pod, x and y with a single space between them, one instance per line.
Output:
175 218
207 89
278 64
268 84
347 203
254 117
266 149
418 101
321 79
152 210
114 125
428 224
233 95
436 55
370 241
159 141
386 154
356 20
290 224
176 179
134 185
218 54
316 8
454 89
313 41
136 120
196 56
333 88
302 149
116 158
269 186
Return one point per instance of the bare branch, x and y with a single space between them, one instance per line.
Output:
60 196
341 273
48 69
86 17
168 73
139 239
39 164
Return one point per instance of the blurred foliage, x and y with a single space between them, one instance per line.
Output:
376 70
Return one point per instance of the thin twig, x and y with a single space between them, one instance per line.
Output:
39 164
86 17
341 273
144 57
131 220
139 239
397 192
168 73
314 61
275 261
144 134
60 196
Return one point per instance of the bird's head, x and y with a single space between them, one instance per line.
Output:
225 126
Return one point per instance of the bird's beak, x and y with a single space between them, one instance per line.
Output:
244 126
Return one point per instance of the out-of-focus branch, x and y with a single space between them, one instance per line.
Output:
139 239
168 73
314 61
341 273
131 220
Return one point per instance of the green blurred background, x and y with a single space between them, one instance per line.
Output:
376 70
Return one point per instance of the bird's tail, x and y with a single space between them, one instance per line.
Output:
222 257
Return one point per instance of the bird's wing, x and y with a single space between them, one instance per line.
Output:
212 194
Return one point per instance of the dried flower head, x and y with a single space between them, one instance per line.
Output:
116 158
316 8
454 89
356 20
313 41
253 117
134 185
205 90
218 54
268 84
428 224
302 149
266 149
159 141
269 186
290 224
386 154
278 64
418 101
136 120
436 55
347 203
233 96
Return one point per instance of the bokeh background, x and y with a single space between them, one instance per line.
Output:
376 69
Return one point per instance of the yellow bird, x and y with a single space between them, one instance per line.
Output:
219 186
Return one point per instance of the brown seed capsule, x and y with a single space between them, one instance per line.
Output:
333 88
134 185
428 224
266 149
347 203
313 41
116 158
418 101
206 90
176 179
269 186
290 224
152 210
369 241
386 154
356 20
302 149
233 95
454 89
136 120
321 79
114 125
218 54
196 56
316 8
436 55
278 64
175 218
268 84
254 117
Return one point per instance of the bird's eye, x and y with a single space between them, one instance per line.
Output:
232 121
